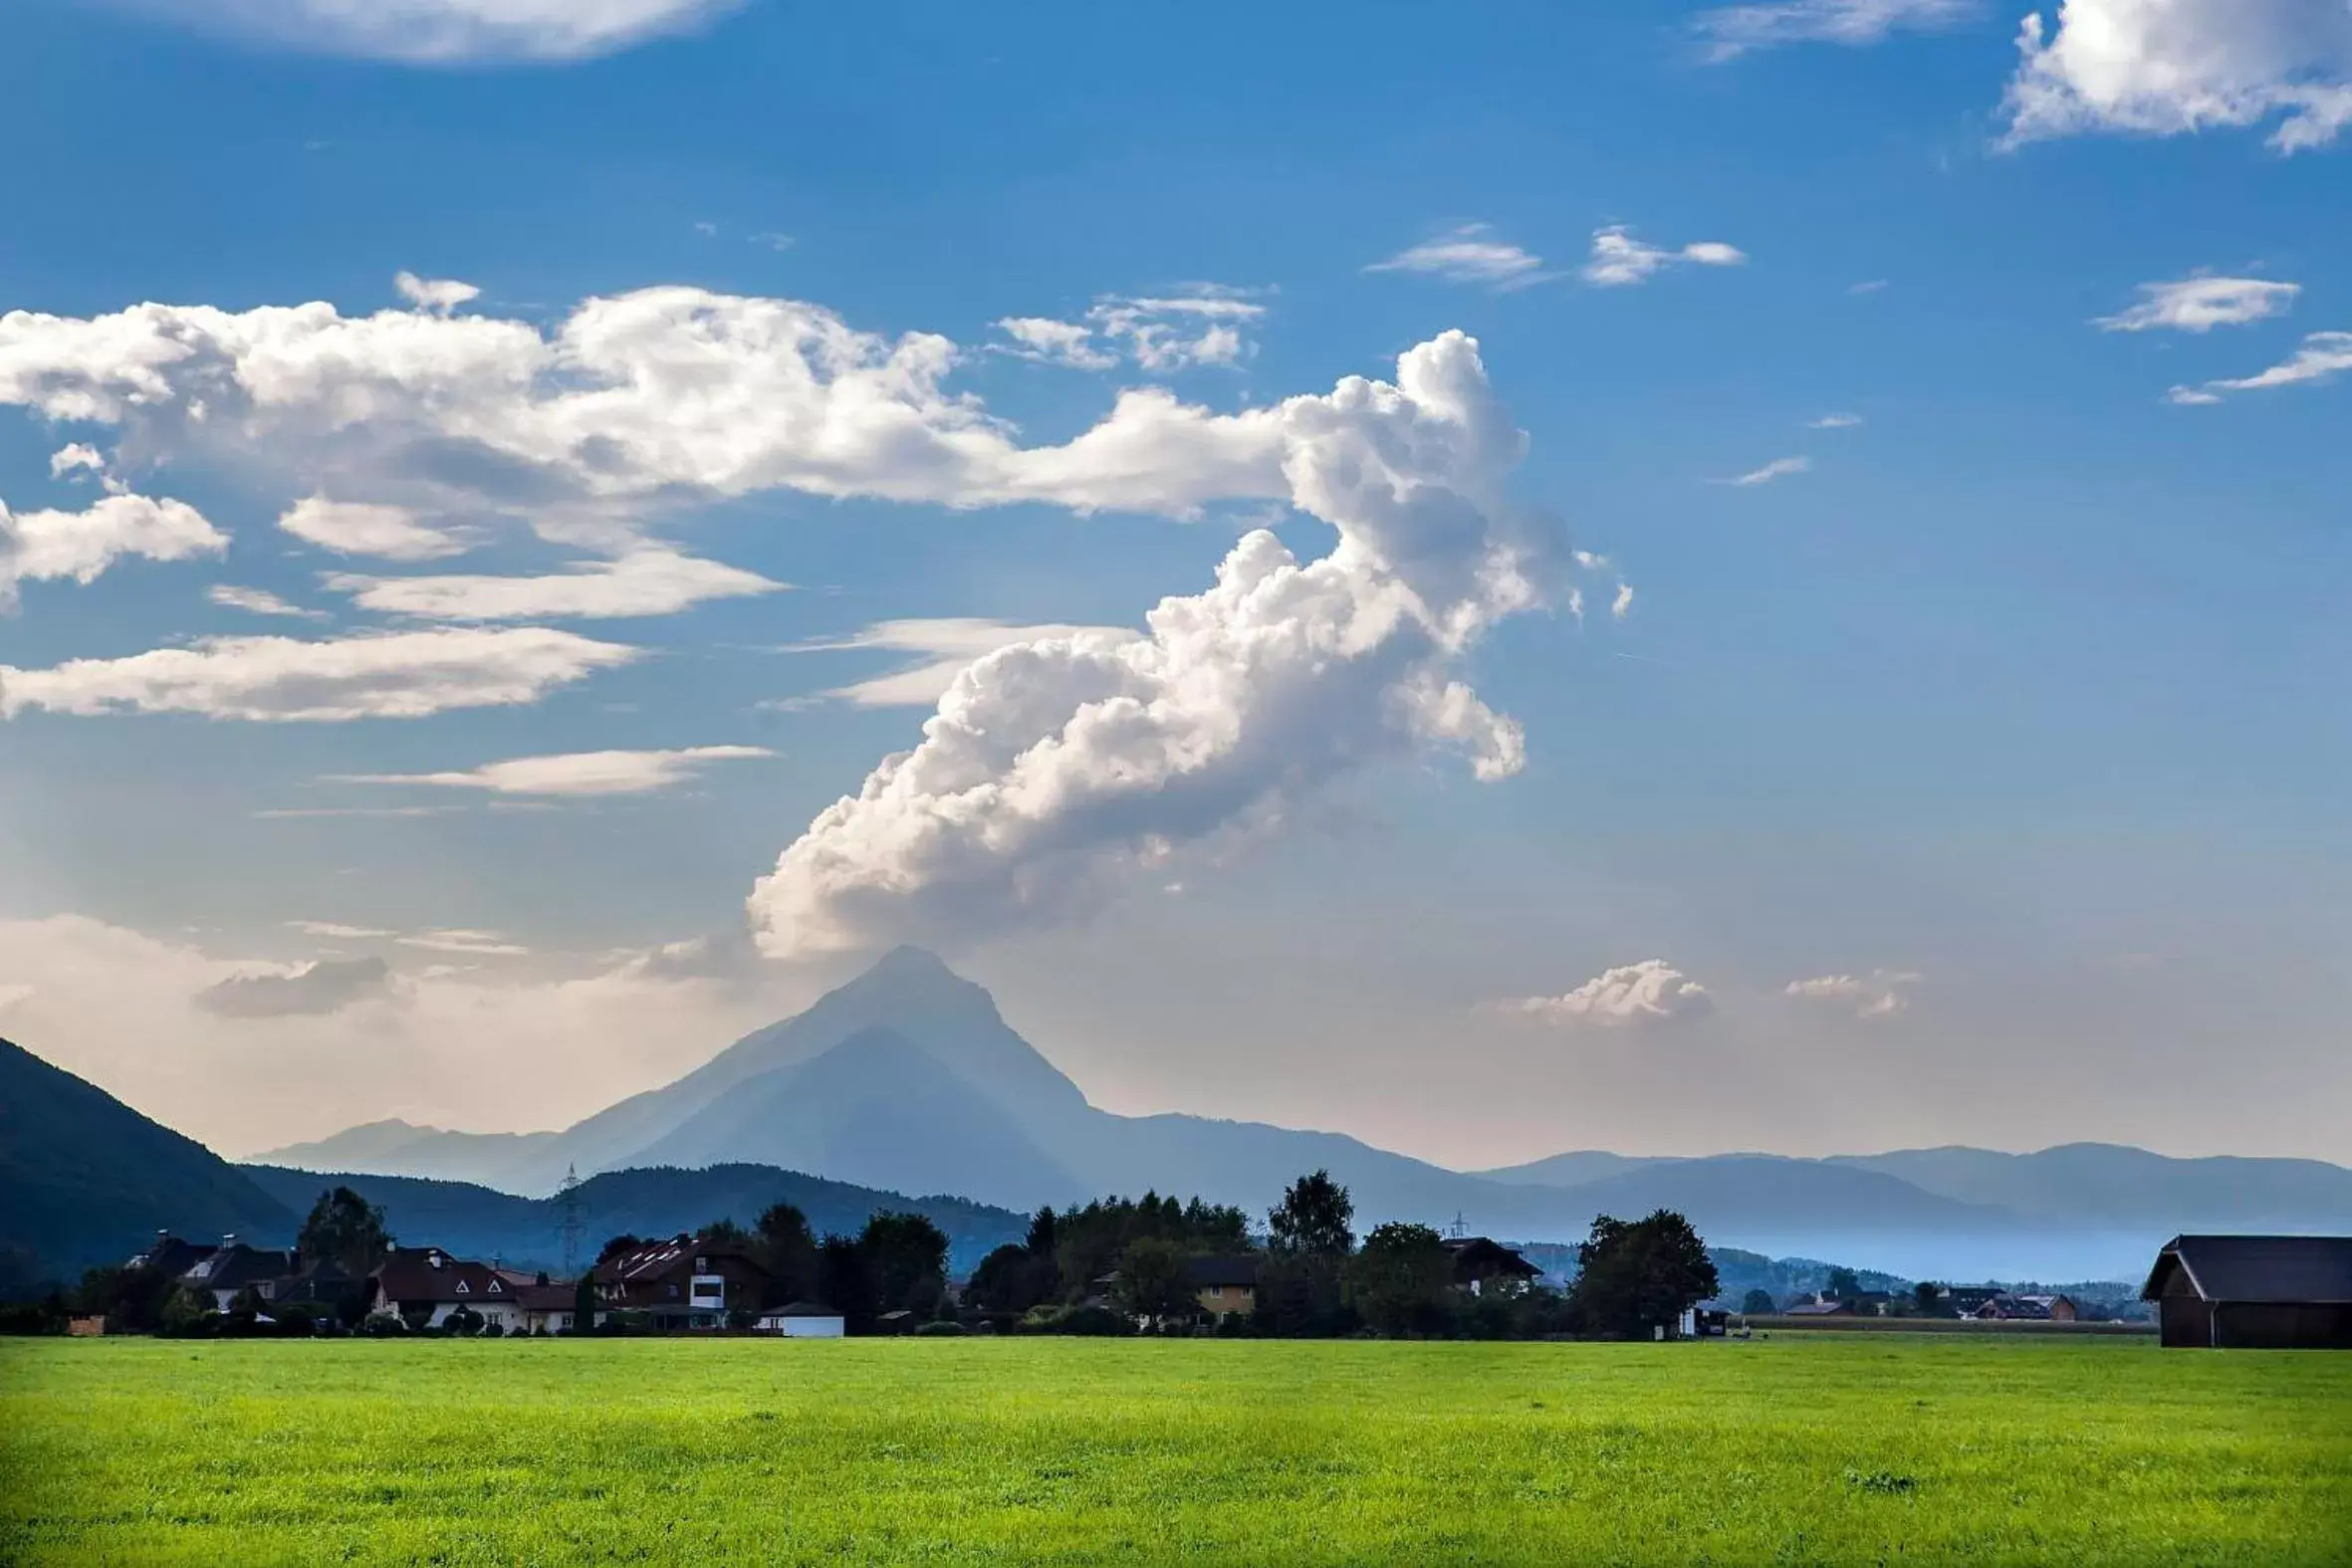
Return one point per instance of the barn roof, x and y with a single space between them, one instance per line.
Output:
2270 1269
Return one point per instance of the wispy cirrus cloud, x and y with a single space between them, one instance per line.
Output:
444 32
1172 331
1620 261
1778 468
574 775
1470 254
260 601
405 675
2322 357
2199 305
649 581
946 646
1727 31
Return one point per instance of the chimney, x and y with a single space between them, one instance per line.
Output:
228 1240
433 1258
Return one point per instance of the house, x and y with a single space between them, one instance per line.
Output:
549 1306
423 1285
803 1320
1483 1266
324 1289
1968 1300
2266 1292
1820 1309
170 1255
2007 1308
233 1267
686 1281
1224 1286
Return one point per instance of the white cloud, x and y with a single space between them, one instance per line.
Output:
644 399
645 581
1622 605
304 991
948 647
259 601
576 773
336 931
1778 468
80 546
1836 422
437 294
361 527
1651 992
446 32
1168 332
75 457
1619 260
1056 342
1880 996
2199 305
1055 772
1869 285
406 675
453 1049
2167 67
2322 357
1732 31
1469 253
481 944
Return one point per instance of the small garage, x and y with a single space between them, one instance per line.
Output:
2253 1292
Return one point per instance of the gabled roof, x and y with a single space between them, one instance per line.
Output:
171 1256
426 1273
1477 1255
1211 1274
554 1296
801 1309
235 1268
2267 1268
656 1259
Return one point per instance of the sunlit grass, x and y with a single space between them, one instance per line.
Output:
1823 1448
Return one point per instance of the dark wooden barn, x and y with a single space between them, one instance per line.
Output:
2253 1292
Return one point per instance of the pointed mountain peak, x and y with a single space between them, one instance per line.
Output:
905 963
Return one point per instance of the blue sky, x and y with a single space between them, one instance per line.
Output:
1998 714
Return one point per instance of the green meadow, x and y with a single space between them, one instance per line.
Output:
1815 1449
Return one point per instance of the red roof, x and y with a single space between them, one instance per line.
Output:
426 1273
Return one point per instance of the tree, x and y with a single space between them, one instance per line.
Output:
1011 1279
344 1230
1153 1282
1402 1282
1641 1276
1759 1304
785 1247
583 1305
1042 1237
843 1283
1312 1219
906 1258
1842 1286
1927 1297
615 1246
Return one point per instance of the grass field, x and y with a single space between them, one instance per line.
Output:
1800 1449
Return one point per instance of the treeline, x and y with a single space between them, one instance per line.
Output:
1121 1266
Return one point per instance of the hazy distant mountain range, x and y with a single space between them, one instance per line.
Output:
908 1079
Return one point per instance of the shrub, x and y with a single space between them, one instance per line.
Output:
941 1330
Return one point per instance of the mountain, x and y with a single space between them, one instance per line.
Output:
876 1109
2109 1185
1573 1169
395 1145
908 1078
526 1233
86 1180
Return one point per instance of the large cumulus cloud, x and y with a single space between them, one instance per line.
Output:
1055 769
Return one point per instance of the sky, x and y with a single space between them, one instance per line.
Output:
1668 577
